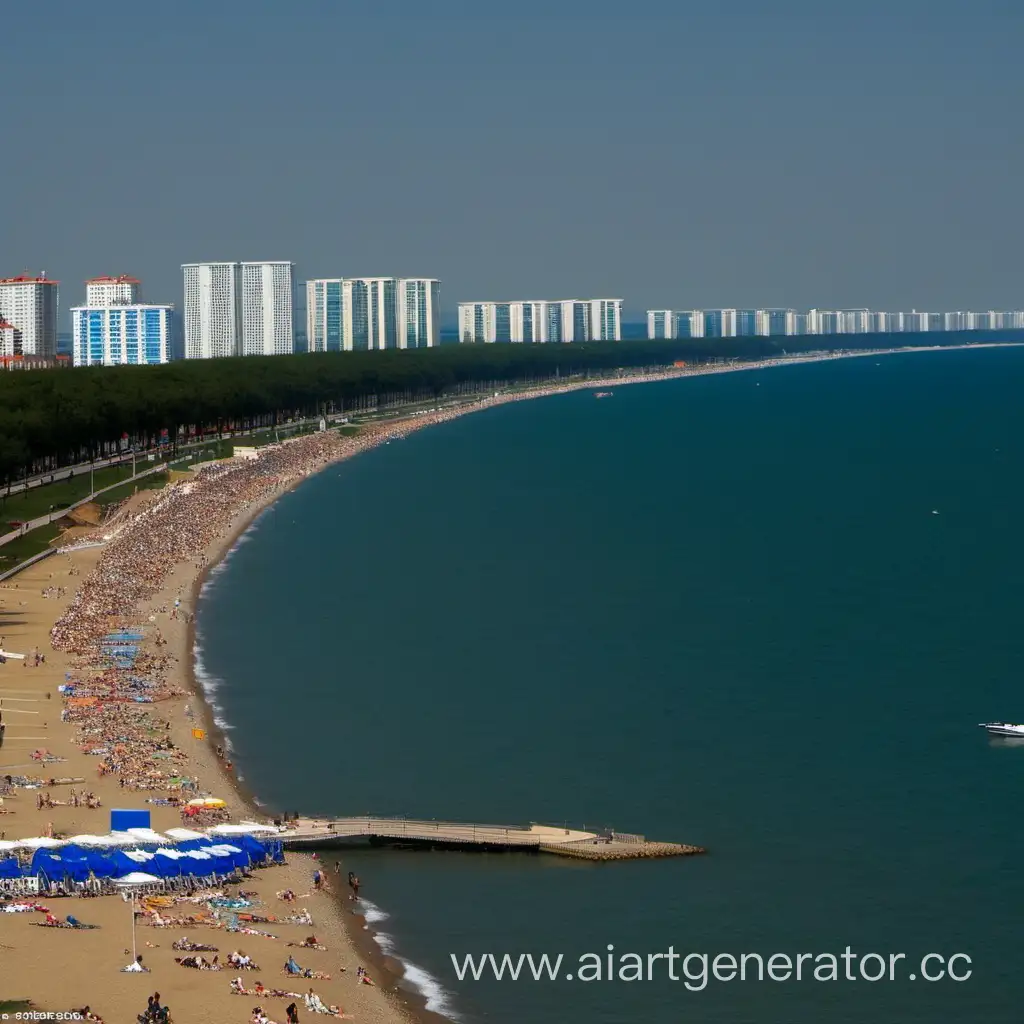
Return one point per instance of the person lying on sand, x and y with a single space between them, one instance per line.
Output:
311 942
70 922
259 1017
362 978
198 963
316 1005
184 945
293 969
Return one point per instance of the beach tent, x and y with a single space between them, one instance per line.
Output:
124 819
223 864
256 850
73 863
203 864
195 844
167 863
139 856
10 868
234 855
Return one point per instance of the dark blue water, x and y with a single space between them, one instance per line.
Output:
718 611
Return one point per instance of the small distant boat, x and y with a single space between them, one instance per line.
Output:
1003 729
603 394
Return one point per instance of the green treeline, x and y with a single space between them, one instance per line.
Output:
50 418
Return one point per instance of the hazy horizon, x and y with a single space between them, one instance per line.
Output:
671 155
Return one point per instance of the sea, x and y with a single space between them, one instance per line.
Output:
762 611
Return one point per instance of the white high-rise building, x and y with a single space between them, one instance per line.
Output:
234 309
853 321
419 312
771 322
365 314
559 320
101 292
267 322
29 305
661 324
211 313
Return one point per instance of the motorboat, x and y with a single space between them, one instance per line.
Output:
1003 729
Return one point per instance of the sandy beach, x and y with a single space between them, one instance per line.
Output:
144 568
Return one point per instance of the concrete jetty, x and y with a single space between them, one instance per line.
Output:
315 833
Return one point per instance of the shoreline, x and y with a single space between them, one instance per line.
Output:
360 931
273 474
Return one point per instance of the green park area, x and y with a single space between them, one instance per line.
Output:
44 499
23 506
41 500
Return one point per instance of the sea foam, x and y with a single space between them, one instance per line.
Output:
438 999
210 684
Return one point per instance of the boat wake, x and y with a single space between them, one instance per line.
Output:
438 999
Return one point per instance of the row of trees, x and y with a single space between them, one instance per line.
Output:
51 418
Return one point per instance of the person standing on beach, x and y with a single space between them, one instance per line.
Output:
353 884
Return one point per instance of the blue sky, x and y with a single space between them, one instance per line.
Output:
725 153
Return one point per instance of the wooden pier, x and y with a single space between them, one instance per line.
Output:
308 833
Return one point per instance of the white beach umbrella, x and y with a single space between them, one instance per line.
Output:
88 840
135 878
147 835
121 839
38 843
6 844
139 856
184 833
128 884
